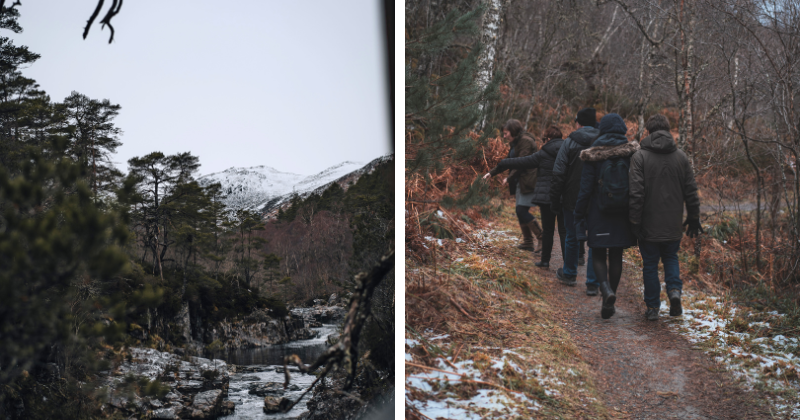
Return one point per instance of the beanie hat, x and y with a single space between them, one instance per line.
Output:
612 123
587 116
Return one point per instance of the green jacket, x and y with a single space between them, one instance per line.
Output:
661 181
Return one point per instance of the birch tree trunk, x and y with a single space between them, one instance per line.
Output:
489 34
685 79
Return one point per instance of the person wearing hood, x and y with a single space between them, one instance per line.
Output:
602 205
521 183
564 189
543 161
661 181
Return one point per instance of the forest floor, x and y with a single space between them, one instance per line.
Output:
488 335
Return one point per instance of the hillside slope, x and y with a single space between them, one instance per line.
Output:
263 189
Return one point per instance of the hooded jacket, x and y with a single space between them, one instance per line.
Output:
604 231
661 180
567 169
524 179
543 161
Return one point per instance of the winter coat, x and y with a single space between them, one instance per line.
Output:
543 160
604 231
567 169
661 180
525 179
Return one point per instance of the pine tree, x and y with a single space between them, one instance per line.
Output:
248 245
159 181
53 242
17 93
443 98
94 139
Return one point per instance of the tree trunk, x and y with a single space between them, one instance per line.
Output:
489 34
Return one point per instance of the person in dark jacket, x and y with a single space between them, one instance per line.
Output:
608 233
661 180
564 193
543 161
521 183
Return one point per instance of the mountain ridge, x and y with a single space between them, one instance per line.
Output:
264 189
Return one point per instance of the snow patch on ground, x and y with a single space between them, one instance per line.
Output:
772 361
487 236
441 402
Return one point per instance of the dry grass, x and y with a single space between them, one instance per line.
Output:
481 295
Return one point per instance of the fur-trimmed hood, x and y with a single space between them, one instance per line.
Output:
598 153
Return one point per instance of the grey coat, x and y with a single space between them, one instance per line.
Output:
661 180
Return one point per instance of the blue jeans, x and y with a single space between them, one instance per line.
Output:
667 252
571 251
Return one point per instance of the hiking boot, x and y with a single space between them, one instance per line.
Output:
609 297
526 244
542 264
591 290
675 302
651 314
565 279
581 261
536 230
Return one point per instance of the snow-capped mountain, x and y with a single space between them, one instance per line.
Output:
261 188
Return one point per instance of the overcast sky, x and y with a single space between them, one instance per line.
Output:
295 85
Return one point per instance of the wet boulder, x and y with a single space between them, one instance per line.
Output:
264 389
196 387
207 404
297 328
332 339
321 314
276 404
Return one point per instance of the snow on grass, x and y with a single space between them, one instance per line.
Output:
435 394
486 236
486 404
731 335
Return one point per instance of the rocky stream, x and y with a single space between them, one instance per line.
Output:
244 381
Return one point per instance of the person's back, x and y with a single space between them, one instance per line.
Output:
564 188
667 174
543 162
608 228
661 180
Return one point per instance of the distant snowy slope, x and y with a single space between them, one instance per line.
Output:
249 188
262 188
310 183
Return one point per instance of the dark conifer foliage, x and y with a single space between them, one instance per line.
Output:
442 98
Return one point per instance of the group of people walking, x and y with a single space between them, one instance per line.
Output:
598 187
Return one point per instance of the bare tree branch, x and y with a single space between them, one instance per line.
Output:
345 352
112 11
92 18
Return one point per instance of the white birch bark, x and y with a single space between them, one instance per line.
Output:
489 33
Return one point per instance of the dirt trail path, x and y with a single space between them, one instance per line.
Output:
644 370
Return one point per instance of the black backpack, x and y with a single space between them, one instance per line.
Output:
612 197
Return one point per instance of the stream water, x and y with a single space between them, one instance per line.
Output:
265 364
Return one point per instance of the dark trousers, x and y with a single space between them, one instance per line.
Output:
652 252
608 270
522 214
548 230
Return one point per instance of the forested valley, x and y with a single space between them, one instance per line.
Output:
484 326
117 289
